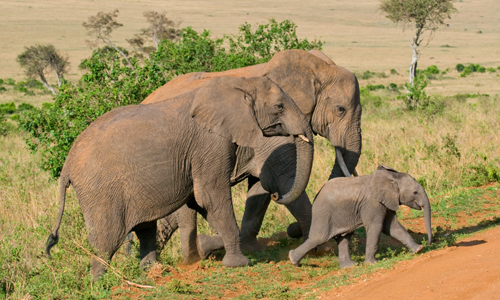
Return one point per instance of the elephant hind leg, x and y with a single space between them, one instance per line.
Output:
106 246
146 233
345 260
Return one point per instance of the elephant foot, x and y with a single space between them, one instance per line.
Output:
207 244
235 260
251 245
148 260
97 270
192 258
418 250
370 261
292 255
347 263
294 231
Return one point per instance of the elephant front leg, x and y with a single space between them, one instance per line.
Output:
256 206
393 228
373 232
345 260
220 213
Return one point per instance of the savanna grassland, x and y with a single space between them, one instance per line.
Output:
450 147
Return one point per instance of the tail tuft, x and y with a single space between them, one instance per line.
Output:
51 241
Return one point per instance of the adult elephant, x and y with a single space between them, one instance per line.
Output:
327 94
139 163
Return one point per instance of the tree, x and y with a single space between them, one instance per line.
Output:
40 60
160 28
423 15
101 26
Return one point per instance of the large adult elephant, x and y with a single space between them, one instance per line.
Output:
327 94
139 163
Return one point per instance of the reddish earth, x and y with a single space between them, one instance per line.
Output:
469 270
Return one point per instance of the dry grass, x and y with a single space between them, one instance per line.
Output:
357 35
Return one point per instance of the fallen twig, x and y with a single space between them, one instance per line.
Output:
117 273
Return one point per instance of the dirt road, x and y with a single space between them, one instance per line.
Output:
471 270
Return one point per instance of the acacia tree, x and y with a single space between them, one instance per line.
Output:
101 26
40 60
423 16
160 28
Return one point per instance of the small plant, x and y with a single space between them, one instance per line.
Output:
7 108
367 75
491 70
460 68
416 95
375 87
394 72
9 81
393 87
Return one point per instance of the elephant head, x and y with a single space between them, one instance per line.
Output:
264 111
404 189
328 95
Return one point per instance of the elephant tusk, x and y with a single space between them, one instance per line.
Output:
275 196
304 138
355 173
341 161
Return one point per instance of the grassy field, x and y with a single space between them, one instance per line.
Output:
450 149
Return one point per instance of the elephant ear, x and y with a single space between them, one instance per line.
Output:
388 189
382 167
225 106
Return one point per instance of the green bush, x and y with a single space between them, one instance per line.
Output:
2 89
392 87
416 95
9 81
394 72
460 68
25 106
367 74
375 87
7 108
368 99
491 70
109 82
1 81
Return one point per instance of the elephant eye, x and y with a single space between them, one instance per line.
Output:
279 107
415 193
341 109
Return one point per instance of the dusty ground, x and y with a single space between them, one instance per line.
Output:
471 270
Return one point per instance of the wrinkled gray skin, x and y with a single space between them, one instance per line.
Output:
345 204
139 163
329 97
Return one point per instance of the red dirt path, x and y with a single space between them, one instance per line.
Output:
469 270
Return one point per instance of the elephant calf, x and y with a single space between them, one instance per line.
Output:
345 204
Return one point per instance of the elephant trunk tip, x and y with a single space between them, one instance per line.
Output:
275 196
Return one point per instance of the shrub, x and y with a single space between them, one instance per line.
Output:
375 87
392 87
9 81
416 95
109 82
367 75
394 72
491 70
460 68
2 89
7 108
25 106
1 81
368 99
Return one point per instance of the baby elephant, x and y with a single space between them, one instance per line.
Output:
345 204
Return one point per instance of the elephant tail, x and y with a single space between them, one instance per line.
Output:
54 236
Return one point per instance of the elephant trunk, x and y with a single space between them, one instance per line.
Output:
347 155
427 218
305 151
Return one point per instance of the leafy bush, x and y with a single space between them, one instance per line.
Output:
109 82
416 95
375 87
2 89
1 81
460 68
368 99
9 81
471 68
7 108
25 106
393 87
394 72
491 70
367 74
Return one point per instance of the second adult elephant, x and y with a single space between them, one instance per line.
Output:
139 163
327 94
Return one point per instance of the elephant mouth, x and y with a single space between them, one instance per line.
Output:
275 129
